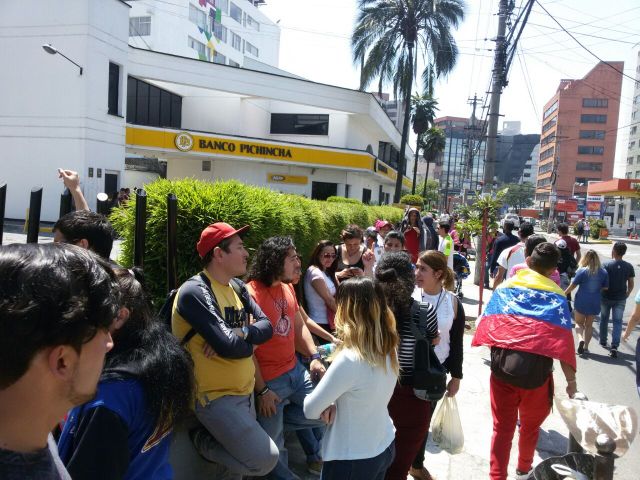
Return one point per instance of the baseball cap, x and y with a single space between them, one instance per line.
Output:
214 234
561 244
382 223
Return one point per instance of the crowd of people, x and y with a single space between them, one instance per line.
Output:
92 383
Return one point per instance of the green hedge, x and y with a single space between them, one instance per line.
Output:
334 199
201 203
414 200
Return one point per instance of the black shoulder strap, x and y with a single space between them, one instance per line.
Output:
419 310
192 331
242 293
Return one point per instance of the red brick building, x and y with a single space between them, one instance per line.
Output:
579 130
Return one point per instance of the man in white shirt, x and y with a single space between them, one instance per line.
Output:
513 255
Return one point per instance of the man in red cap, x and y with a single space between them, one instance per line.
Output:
211 318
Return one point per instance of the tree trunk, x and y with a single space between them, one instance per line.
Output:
415 166
426 178
405 127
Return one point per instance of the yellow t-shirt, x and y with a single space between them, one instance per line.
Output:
215 376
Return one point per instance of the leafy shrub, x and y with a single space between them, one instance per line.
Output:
596 225
201 203
354 201
415 200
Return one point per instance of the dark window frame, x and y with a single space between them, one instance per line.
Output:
141 109
299 124
592 118
113 91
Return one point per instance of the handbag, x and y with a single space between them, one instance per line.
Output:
429 376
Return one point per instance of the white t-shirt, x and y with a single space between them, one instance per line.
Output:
445 314
316 308
510 257
362 427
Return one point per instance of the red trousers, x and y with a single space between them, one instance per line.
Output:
411 417
507 404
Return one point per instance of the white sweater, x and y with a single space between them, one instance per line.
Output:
362 427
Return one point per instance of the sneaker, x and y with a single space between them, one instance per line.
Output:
613 353
581 347
314 467
524 476
603 345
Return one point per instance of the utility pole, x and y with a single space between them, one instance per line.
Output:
471 138
497 83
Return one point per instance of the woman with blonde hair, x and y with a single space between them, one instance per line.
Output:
592 279
435 282
352 396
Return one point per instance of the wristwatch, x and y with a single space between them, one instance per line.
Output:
314 356
245 332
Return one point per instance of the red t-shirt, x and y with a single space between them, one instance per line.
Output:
572 244
279 303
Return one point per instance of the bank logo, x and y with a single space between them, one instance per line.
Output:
184 142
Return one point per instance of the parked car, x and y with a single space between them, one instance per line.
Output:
512 217
531 220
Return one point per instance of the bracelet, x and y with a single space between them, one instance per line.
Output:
572 381
315 356
263 391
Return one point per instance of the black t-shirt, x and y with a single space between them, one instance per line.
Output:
619 272
44 464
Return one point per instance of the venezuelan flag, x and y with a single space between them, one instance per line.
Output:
528 313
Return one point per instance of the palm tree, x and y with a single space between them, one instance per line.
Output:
433 144
423 112
388 32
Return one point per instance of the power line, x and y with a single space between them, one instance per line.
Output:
527 81
579 43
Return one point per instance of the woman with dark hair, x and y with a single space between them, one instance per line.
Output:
352 397
353 258
410 414
435 282
320 284
146 386
414 235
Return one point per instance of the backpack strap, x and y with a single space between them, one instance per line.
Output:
513 250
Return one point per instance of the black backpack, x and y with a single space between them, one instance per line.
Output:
165 312
429 376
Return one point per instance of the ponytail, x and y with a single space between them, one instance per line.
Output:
448 279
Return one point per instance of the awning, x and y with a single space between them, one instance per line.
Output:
616 187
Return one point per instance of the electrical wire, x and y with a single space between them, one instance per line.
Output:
584 47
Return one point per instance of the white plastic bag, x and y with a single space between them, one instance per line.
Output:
446 427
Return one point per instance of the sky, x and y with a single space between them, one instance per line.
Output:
315 43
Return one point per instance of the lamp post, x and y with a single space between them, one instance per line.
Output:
47 47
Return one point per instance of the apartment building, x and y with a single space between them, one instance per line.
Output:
579 129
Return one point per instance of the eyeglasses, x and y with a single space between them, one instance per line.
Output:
329 255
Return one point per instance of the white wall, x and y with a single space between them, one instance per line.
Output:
52 116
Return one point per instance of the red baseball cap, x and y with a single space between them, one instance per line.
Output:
214 234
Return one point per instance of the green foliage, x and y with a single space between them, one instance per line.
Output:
430 191
472 214
201 203
596 225
519 196
355 201
414 200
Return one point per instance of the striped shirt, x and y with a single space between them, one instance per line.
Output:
408 340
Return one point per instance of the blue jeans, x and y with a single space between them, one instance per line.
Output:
311 440
292 387
606 308
367 468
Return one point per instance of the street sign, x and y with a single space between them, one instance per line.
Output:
553 197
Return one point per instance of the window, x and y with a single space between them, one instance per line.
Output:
637 174
252 23
219 58
150 105
236 41
299 124
627 175
198 47
223 5
220 32
347 190
236 13
197 16
251 49
638 159
629 160
550 124
550 110
588 150
543 182
206 165
234 64
139 26
596 167
597 134
548 139
545 168
114 89
595 102
632 144
633 130
588 118
547 153
585 180
366 196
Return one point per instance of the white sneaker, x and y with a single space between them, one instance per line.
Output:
523 476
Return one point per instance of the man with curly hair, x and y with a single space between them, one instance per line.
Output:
280 378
